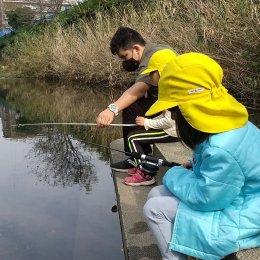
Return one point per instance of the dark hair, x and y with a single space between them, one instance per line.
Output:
125 38
188 135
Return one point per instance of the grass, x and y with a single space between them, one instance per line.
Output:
228 31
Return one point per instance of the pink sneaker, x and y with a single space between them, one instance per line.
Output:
139 179
132 171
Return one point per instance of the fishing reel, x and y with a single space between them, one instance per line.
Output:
149 168
150 165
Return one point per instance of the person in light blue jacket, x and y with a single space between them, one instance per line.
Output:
210 207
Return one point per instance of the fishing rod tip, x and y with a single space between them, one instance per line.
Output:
18 125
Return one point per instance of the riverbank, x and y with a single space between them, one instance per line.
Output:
226 30
139 243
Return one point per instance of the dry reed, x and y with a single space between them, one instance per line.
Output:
229 31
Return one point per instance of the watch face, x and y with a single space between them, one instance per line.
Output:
112 107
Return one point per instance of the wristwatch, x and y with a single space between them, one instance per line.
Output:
113 108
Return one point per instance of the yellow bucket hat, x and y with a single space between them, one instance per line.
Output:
193 82
158 61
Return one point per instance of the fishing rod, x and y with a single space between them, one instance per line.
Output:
84 124
148 163
143 157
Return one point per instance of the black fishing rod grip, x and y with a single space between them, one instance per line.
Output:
145 157
154 160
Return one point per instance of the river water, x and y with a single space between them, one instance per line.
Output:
56 191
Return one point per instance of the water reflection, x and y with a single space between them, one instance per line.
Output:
63 161
56 194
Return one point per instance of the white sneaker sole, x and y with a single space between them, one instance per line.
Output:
144 183
119 170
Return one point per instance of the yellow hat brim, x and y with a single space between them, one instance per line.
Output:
160 106
215 116
223 114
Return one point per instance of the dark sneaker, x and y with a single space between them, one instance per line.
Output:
123 166
139 179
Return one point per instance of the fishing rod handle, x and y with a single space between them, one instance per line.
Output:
154 160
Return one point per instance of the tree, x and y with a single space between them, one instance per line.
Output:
48 7
20 17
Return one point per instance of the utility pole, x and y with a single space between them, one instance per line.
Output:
1 15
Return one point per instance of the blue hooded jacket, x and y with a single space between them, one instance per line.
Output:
219 209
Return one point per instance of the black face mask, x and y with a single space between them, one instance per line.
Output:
130 64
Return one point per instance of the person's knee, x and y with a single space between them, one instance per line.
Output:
158 191
153 192
131 136
152 209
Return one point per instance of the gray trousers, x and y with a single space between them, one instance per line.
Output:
159 214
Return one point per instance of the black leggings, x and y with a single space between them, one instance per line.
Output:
129 115
139 139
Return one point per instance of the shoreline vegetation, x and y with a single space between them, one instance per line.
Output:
75 46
